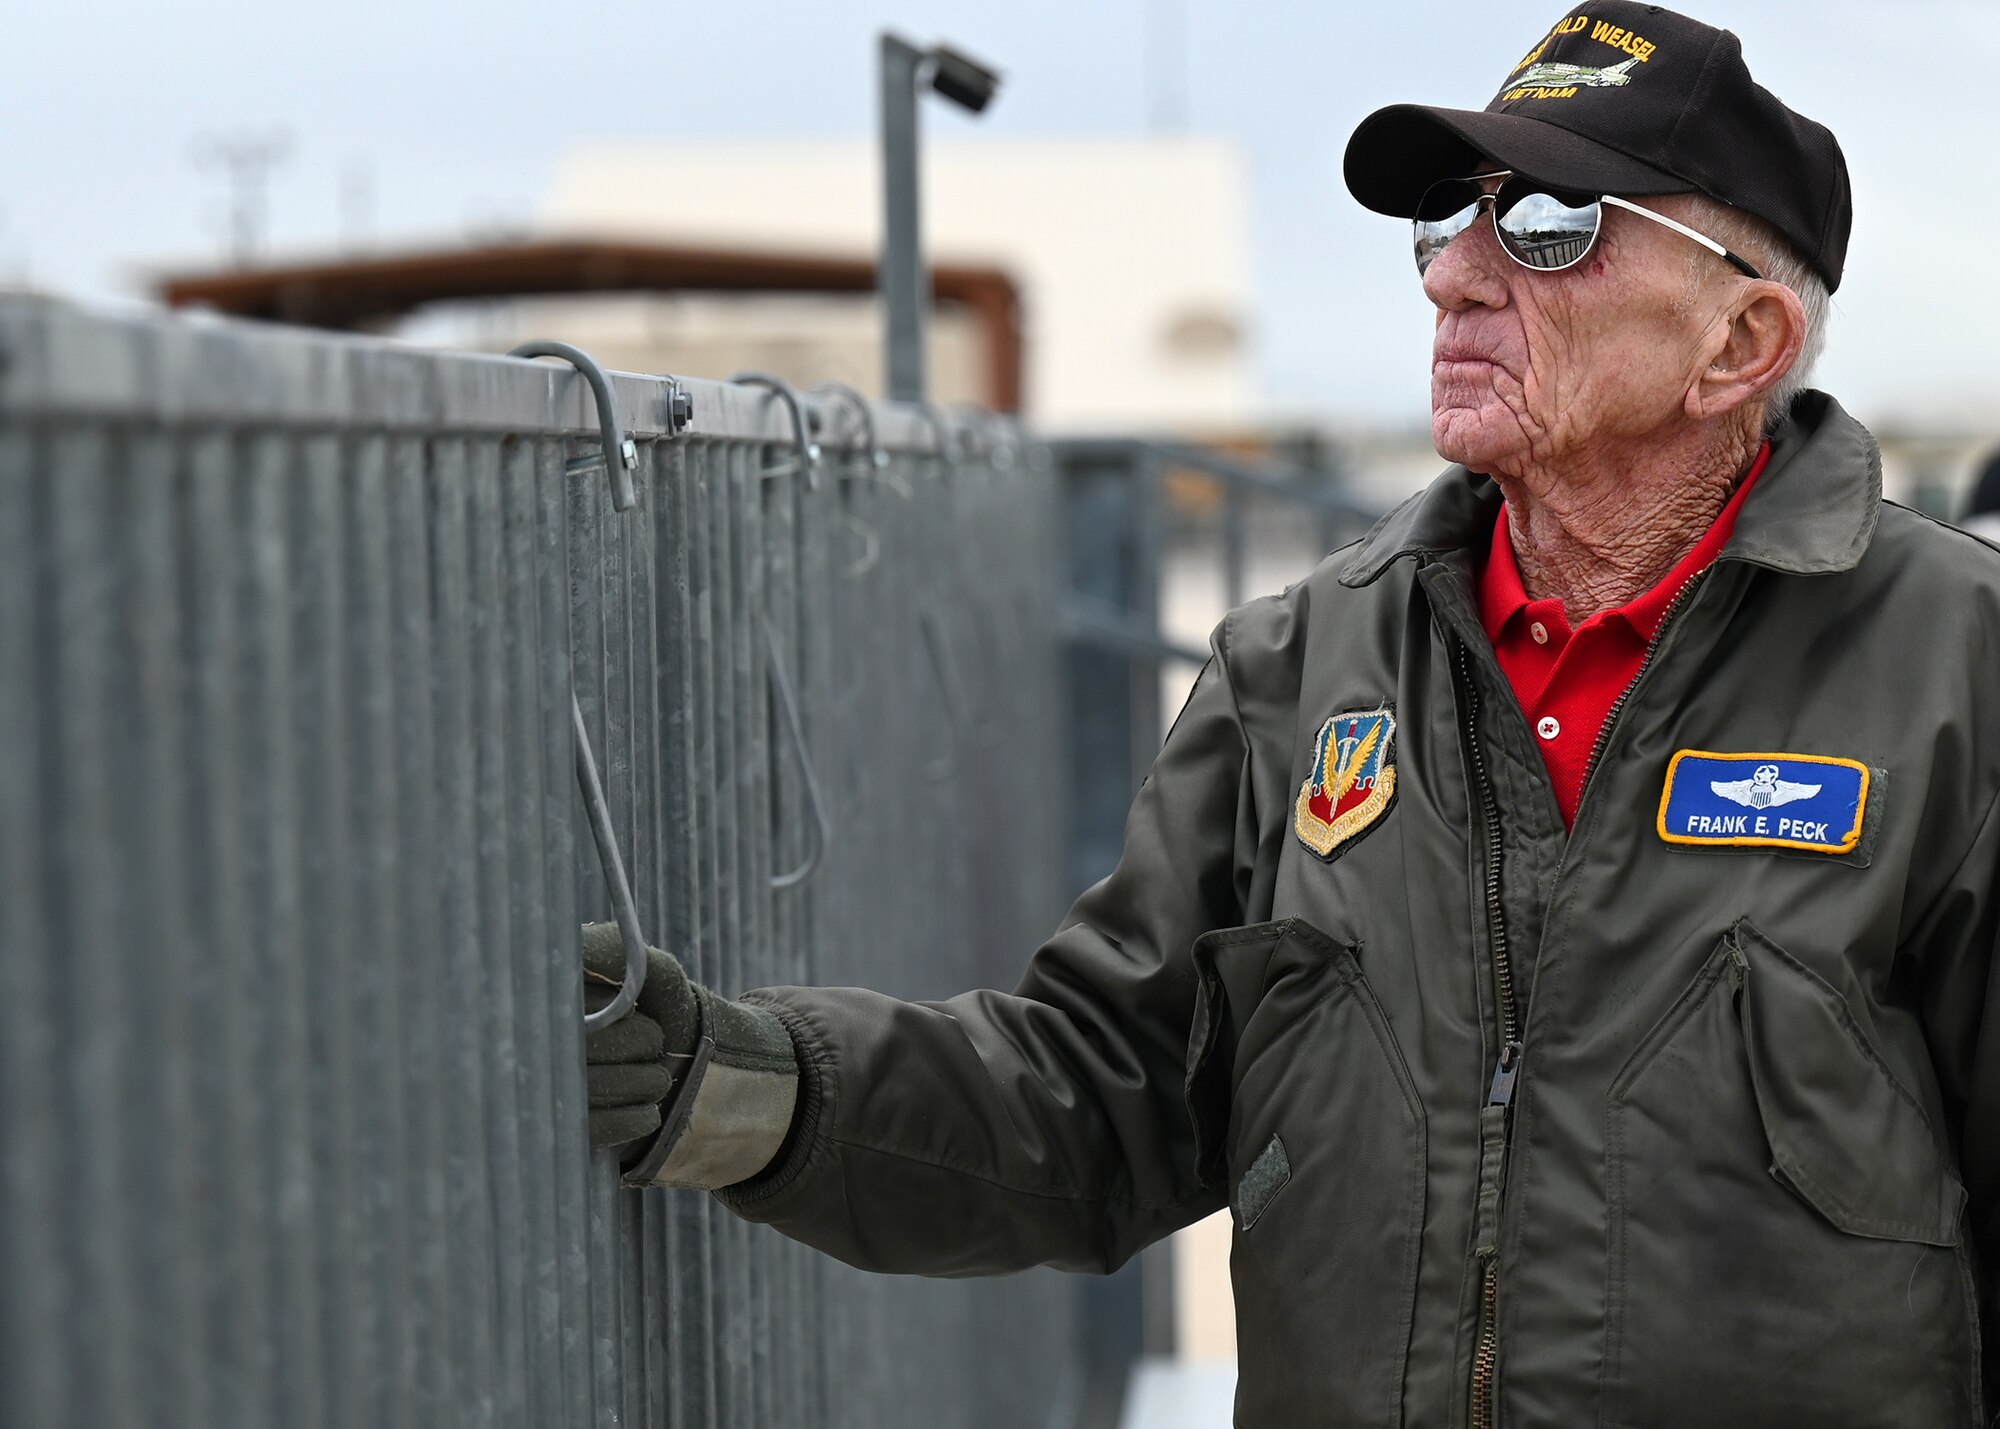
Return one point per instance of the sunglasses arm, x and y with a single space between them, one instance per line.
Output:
1703 239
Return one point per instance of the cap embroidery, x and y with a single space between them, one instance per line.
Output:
1556 79
1562 75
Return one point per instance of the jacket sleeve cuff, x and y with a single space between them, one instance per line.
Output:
764 1194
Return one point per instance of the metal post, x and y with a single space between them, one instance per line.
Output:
1232 545
902 277
904 280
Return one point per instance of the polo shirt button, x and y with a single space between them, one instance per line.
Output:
1540 632
1548 728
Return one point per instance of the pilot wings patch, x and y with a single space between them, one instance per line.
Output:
1764 789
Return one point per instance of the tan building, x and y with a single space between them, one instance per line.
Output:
1132 258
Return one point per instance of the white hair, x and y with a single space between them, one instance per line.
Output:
1773 255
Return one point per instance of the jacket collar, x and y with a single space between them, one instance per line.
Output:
1812 512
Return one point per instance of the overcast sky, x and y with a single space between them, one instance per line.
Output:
458 115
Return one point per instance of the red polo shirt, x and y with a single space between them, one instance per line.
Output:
1568 679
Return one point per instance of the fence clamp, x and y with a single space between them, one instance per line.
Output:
623 496
680 407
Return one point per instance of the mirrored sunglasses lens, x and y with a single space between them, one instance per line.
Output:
1544 232
1446 210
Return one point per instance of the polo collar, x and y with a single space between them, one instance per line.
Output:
1813 511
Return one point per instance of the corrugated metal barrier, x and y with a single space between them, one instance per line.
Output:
292 859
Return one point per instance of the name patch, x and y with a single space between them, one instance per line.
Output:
1800 801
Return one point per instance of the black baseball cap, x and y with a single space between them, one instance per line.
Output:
1626 99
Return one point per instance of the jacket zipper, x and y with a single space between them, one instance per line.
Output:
1496 927
1493 1133
1500 1093
1674 608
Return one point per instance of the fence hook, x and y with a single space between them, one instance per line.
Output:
807 459
877 470
946 764
871 546
994 731
975 437
614 878
781 686
877 458
620 469
1001 455
941 431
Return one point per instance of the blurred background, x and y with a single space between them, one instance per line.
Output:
1145 233
1160 180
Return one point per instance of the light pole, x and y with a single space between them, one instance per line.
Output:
900 274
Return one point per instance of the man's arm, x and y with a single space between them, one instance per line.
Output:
993 1131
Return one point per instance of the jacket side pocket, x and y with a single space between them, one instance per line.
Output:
1845 1134
1780 1215
1300 1094
1230 966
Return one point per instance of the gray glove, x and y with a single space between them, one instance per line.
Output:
695 1090
631 1063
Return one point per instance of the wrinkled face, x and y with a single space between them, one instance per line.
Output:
1531 370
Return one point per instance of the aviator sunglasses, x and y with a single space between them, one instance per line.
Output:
1538 228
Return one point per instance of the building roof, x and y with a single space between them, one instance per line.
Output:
361 292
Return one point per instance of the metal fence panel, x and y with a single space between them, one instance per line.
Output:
290 1030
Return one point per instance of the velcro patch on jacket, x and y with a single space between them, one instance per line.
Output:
1265 1178
1811 802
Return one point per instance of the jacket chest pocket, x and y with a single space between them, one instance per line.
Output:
1784 1228
1304 1109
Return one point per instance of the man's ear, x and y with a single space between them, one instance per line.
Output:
1757 340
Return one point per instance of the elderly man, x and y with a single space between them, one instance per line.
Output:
1559 926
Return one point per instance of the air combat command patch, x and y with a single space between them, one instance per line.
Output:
1810 802
1352 783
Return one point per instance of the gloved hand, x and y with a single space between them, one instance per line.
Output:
631 1063
696 1090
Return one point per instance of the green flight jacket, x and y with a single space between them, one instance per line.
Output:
1741 1171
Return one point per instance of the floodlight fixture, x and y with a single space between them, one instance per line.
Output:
962 79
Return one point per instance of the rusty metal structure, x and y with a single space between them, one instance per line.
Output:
368 291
